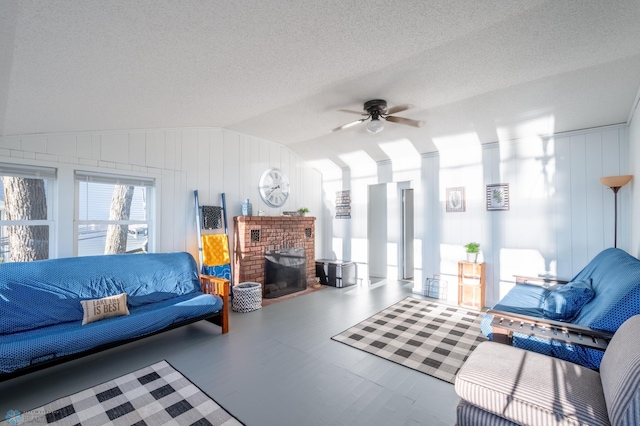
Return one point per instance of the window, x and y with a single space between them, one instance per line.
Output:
113 214
25 212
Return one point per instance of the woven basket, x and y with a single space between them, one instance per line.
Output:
247 297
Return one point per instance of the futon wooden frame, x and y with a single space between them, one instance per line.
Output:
504 324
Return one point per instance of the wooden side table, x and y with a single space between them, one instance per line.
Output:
471 284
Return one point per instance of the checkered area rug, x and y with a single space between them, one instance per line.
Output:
155 395
432 338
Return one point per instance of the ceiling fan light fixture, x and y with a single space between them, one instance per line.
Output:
375 126
375 110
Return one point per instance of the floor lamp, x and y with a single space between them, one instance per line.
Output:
615 183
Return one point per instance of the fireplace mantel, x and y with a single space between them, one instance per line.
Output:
254 235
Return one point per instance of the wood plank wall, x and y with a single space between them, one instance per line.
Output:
561 216
211 160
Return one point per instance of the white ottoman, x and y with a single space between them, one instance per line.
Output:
247 297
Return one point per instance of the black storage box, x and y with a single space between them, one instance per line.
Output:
336 273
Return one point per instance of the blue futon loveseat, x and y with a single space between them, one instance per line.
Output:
612 279
42 315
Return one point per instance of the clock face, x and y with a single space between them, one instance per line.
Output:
274 187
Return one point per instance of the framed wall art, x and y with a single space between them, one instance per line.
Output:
343 204
455 199
498 196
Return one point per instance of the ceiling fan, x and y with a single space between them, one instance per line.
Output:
376 109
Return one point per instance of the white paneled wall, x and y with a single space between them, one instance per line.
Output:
560 214
211 160
634 169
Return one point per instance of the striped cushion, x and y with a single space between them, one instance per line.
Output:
620 374
470 415
530 388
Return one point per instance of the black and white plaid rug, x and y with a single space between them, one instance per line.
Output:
432 338
155 395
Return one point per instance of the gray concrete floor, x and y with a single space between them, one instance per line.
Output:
277 366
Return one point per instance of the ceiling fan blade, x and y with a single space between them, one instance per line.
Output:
398 108
350 111
407 121
353 123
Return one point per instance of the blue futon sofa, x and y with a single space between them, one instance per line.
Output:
41 311
614 279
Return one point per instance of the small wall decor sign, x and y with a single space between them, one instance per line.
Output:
498 196
343 204
455 199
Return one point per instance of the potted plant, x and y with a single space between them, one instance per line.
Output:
303 211
472 252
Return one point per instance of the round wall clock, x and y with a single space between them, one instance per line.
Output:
274 187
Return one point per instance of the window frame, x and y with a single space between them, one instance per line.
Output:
150 183
50 176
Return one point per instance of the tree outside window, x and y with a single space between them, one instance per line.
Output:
25 199
113 215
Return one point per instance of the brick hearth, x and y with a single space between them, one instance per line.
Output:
256 234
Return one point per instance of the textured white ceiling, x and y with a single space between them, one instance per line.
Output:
280 69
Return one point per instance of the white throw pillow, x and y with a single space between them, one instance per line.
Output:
107 307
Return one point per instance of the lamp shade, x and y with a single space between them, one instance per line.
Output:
615 181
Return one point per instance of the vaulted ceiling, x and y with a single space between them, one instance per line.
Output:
280 69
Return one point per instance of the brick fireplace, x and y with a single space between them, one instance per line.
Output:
256 235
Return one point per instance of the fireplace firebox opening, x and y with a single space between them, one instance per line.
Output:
285 272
